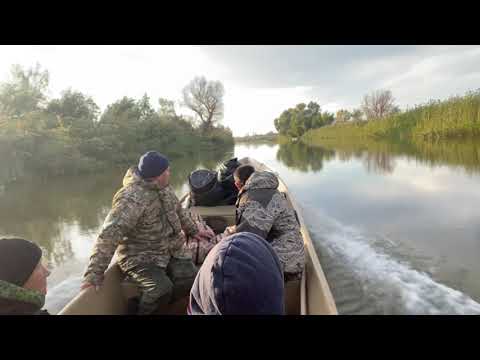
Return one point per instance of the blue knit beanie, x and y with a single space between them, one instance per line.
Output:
241 275
152 164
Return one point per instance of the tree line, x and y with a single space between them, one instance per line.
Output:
70 135
380 117
295 122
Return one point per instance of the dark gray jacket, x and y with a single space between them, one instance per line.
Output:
263 210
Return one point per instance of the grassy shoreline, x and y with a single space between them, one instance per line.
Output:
454 118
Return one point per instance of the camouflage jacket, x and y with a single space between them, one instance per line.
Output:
263 210
16 300
145 224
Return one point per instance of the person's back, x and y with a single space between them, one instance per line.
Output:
23 277
241 275
158 218
145 224
265 211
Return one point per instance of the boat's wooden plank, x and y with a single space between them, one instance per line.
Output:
292 298
223 211
109 300
303 295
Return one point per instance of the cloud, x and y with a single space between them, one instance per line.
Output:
343 74
260 81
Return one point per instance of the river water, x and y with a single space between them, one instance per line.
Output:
397 228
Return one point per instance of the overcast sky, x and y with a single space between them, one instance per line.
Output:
260 81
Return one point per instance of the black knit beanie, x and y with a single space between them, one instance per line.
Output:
18 260
152 164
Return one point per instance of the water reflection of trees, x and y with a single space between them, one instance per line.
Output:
380 163
379 156
302 157
41 210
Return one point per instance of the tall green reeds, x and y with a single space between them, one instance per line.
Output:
456 117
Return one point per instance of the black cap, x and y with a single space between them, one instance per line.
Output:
18 260
152 164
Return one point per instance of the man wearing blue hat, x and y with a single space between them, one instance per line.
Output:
145 227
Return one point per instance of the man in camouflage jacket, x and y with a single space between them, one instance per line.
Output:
23 278
145 227
263 210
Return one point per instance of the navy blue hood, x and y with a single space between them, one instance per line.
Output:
241 275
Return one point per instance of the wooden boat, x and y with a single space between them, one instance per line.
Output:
309 296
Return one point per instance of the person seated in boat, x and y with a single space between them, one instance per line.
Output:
145 226
265 211
23 278
241 275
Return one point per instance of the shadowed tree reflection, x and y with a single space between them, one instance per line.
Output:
378 156
302 157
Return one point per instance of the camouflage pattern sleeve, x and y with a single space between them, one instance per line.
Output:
255 218
120 220
9 291
188 224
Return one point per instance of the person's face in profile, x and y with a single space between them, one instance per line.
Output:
38 280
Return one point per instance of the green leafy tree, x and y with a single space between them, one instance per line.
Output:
74 109
294 122
167 108
25 92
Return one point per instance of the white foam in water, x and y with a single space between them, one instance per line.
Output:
62 293
388 286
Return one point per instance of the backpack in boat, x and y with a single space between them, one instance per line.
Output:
210 188
205 189
225 178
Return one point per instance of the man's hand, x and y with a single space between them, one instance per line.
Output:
205 233
204 230
230 229
86 285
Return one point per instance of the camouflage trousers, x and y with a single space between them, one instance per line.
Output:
161 286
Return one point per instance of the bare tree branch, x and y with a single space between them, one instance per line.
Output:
205 98
379 104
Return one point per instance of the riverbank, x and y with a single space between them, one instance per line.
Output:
257 139
455 118
50 154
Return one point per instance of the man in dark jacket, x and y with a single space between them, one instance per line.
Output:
265 211
241 275
23 278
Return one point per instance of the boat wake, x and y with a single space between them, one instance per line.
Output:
367 274
66 281
61 294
